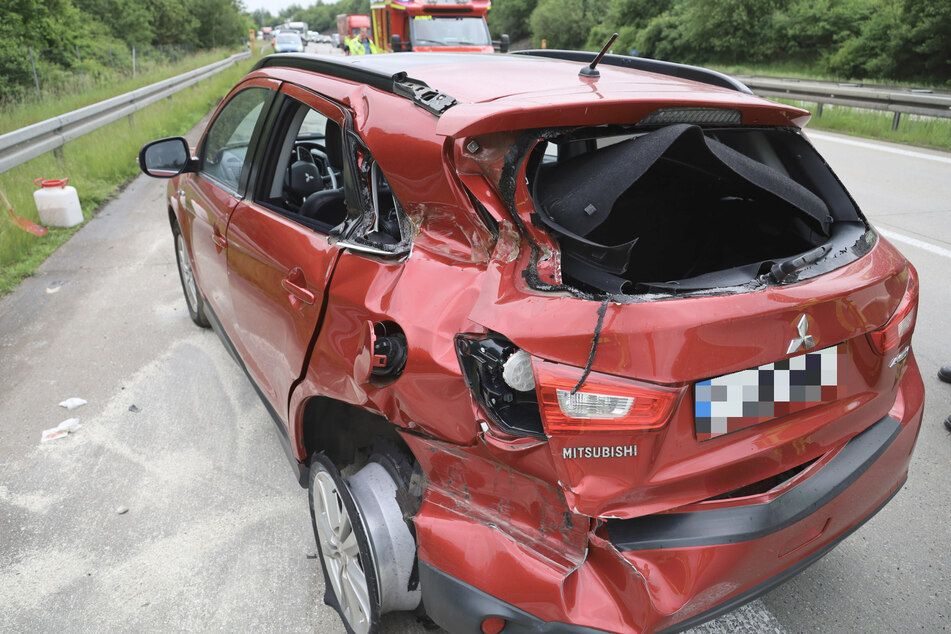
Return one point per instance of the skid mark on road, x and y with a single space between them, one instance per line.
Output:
30 582
33 502
110 429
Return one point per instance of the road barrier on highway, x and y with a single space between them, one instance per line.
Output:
34 140
897 100
26 143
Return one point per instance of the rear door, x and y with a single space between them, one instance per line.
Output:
280 260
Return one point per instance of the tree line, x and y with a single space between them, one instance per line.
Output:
64 37
906 40
888 39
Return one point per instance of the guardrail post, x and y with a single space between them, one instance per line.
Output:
33 66
819 110
895 121
58 155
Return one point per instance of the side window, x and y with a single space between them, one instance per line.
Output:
303 177
225 152
321 176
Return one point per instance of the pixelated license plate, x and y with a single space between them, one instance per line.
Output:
736 401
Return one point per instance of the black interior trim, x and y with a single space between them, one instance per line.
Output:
397 83
326 65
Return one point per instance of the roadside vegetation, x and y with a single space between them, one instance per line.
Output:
903 42
51 46
906 40
97 165
81 90
872 124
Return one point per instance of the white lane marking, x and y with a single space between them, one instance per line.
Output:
881 148
915 242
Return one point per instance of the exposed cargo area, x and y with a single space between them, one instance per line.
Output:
681 208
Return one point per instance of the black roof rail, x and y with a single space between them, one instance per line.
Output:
683 71
399 83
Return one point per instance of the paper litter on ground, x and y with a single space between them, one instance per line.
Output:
68 426
72 403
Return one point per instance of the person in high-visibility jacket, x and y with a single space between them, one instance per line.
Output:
363 44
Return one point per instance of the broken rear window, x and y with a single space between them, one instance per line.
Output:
681 209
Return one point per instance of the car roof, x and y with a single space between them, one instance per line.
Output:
479 87
477 77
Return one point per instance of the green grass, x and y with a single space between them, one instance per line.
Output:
929 132
97 165
871 124
79 91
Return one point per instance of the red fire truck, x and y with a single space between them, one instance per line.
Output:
433 25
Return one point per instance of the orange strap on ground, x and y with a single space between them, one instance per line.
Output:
23 223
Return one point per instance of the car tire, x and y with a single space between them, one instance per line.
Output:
193 298
350 581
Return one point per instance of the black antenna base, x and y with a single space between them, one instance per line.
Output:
590 70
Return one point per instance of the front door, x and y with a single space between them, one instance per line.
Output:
209 197
279 257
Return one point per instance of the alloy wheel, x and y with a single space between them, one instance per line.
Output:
188 277
341 553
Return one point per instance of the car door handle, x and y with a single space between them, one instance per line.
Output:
295 284
219 240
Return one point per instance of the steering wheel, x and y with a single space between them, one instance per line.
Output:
316 155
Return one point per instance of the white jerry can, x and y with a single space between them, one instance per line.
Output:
57 203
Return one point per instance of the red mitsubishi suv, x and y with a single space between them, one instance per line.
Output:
557 343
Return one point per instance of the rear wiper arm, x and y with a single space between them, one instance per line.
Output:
782 270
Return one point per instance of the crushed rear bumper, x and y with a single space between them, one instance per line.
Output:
668 572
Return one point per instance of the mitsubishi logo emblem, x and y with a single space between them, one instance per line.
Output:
308 177
804 340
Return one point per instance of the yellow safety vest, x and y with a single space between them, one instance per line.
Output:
357 48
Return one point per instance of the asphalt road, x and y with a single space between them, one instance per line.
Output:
173 508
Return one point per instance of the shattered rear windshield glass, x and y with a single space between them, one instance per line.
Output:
683 208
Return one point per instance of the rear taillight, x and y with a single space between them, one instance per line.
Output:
500 378
897 332
604 403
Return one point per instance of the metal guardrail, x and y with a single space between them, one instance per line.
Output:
899 101
34 140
